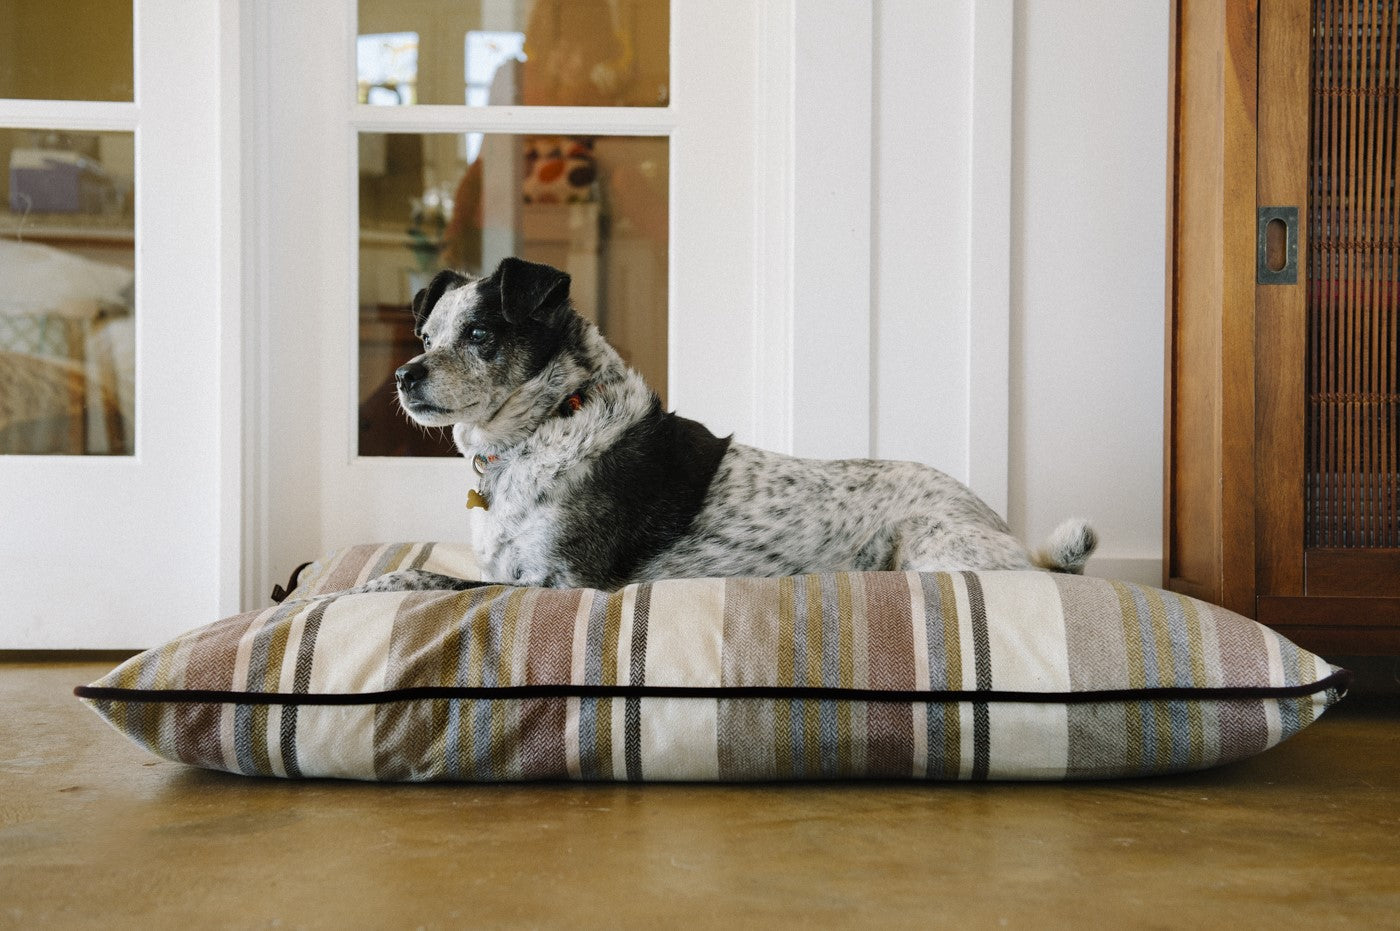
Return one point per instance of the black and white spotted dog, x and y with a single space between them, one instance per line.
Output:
587 482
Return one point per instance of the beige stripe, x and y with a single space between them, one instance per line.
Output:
1026 639
351 655
571 759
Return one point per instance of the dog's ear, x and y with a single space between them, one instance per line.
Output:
427 298
530 291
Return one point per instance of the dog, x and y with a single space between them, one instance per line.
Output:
586 481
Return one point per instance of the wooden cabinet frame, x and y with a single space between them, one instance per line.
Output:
1237 350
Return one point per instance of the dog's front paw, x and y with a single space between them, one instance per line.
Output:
416 580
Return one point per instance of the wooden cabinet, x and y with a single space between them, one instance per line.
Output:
1283 402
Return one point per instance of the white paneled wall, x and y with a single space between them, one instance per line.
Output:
1018 196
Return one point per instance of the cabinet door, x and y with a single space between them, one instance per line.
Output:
1328 398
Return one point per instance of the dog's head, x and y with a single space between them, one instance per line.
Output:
483 339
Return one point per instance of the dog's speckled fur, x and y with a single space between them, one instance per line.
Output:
621 491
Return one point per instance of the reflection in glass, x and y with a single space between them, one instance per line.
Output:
67 293
69 50
567 53
594 206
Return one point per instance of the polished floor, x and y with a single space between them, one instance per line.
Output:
96 833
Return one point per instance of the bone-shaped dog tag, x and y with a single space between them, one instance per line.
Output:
475 500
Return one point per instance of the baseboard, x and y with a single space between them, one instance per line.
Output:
1144 570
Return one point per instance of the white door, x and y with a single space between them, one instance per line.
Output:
112 499
615 138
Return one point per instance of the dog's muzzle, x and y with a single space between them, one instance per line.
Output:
409 376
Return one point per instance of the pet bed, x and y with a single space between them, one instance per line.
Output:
969 675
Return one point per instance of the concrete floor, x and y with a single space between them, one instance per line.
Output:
94 832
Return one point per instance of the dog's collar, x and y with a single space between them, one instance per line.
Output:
481 462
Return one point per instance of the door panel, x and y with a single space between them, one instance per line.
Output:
120 551
674 273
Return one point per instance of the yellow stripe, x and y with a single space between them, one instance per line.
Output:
505 663
814 630
782 711
787 636
1161 635
952 739
845 625
952 639
1132 639
952 656
1161 712
612 627
478 633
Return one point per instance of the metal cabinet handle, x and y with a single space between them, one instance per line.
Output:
1277 245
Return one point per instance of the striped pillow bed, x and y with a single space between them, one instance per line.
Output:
973 675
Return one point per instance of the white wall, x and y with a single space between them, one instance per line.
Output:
1069 395
1088 274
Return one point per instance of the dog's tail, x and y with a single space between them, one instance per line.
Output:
1068 548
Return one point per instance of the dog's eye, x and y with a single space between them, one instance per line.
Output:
427 343
477 334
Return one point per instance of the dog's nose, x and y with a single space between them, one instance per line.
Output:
406 376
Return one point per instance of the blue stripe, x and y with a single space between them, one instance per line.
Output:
1179 635
935 632
1149 737
826 722
1147 635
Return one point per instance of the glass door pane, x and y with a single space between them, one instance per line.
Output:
594 206
67 293
69 50
565 53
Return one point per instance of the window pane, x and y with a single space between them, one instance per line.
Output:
67 293
593 206
568 53
69 50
